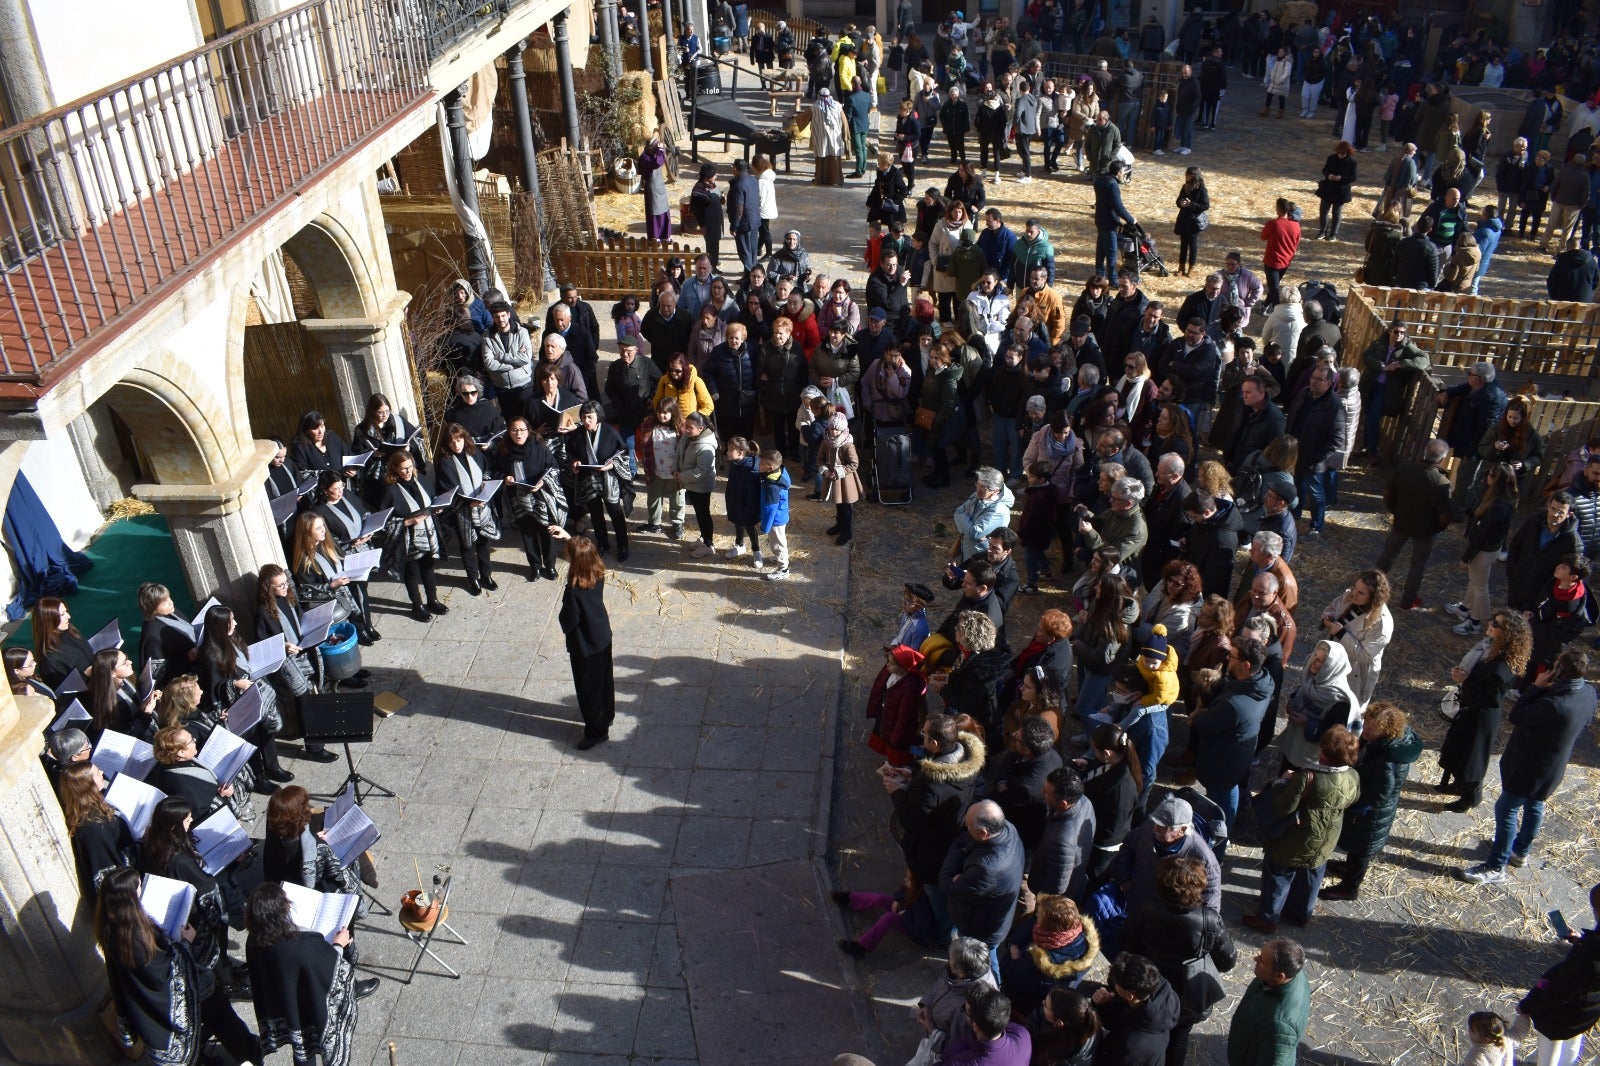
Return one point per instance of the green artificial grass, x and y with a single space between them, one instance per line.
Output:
126 554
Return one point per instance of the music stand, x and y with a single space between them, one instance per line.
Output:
422 934
343 718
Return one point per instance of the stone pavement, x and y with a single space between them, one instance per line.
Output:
572 868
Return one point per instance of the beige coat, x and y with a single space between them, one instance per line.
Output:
841 461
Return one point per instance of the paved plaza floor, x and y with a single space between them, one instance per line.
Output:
576 874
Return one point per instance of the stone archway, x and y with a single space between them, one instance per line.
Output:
360 316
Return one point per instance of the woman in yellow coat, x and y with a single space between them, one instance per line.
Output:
682 383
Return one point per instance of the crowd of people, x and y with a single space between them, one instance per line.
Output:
1158 475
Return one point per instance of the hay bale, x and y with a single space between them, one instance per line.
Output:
1295 12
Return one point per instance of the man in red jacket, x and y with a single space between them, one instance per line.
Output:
1282 235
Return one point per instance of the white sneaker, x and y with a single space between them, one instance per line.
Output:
1183 151
997 177
735 551
702 549
1467 628
1459 609
758 562
1161 151
780 574
1024 180
1484 874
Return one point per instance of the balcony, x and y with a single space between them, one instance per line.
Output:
119 198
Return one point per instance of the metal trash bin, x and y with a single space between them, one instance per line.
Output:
341 652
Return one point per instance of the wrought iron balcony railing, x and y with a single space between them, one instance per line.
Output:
121 196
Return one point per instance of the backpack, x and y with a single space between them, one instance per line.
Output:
1323 293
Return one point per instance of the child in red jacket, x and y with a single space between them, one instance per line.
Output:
896 703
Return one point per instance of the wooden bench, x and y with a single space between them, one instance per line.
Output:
618 268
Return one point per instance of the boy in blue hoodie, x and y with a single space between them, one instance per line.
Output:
1490 228
774 521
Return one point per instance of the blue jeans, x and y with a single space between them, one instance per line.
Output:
1285 887
1007 446
1313 491
1228 800
1092 689
1185 131
1373 416
1105 254
1506 810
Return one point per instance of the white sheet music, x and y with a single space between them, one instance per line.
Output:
200 618
110 636
135 801
167 901
73 713
225 754
266 656
74 682
357 565
147 680
120 755
320 912
351 835
374 522
443 501
486 491
220 839
315 622
245 712
356 462
341 805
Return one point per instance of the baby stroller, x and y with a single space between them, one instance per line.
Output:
891 465
1139 251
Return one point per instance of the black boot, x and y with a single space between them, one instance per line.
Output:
1444 783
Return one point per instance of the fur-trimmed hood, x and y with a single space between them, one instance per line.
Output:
968 766
1071 965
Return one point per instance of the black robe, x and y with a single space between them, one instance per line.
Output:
71 653
159 1003
304 997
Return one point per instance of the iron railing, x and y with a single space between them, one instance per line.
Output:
448 23
123 194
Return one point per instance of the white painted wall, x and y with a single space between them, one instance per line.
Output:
90 44
202 343
52 470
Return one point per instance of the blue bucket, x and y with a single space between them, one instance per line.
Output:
341 654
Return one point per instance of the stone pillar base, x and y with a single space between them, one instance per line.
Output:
368 355
55 1004
224 533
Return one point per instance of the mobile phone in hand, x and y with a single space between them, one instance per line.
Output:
1558 922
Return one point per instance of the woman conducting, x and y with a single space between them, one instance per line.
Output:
588 629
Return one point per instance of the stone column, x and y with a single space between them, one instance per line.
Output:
368 355
55 1005
606 23
478 271
223 532
645 58
569 90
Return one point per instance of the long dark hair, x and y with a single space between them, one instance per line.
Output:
1104 618
267 916
125 932
264 596
47 626
217 646
584 566
103 687
308 422
167 837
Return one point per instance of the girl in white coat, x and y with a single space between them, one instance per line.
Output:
1359 619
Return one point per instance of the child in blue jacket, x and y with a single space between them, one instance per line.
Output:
743 496
774 521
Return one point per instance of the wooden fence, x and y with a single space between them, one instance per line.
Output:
803 28
617 268
1158 78
1532 339
1530 363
